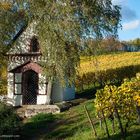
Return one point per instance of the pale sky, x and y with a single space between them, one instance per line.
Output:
130 19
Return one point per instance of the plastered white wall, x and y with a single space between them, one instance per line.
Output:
42 84
69 93
57 93
22 43
60 93
42 99
10 85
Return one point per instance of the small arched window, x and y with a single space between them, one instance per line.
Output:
34 45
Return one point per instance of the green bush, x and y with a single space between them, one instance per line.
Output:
10 122
106 77
43 117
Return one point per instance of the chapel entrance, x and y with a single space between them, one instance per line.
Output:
30 87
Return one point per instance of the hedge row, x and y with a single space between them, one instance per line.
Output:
109 77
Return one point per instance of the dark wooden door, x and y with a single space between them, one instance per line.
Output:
30 87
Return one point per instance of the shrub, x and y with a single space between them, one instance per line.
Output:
10 123
119 103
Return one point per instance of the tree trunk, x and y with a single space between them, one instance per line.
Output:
138 112
111 117
100 121
113 126
120 123
106 127
101 126
126 125
49 91
92 125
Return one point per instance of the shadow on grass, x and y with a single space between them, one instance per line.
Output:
70 125
37 125
66 129
86 94
57 129
32 130
62 129
133 134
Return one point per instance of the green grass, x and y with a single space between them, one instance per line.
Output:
73 125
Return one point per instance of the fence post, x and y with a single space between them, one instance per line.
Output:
91 123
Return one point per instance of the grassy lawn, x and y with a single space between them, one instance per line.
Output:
72 125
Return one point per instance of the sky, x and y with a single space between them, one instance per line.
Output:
130 11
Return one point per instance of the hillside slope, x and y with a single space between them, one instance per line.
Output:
109 61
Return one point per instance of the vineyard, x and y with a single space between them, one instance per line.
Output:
121 105
114 113
107 69
110 61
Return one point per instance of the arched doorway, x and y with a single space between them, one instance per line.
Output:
29 87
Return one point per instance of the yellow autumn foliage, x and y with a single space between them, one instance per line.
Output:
125 98
3 76
5 5
109 61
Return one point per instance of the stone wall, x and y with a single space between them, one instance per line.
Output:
33 110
